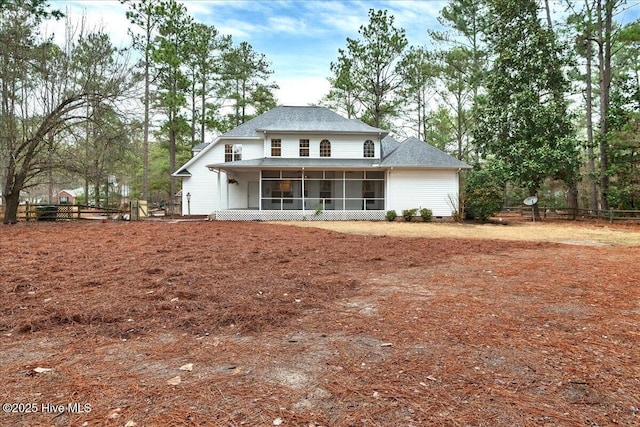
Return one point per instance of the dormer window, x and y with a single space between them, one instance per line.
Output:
369 148
325 148
276 147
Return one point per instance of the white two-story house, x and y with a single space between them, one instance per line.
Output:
311 163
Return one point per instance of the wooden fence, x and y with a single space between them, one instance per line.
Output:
576 214
51 212
135 210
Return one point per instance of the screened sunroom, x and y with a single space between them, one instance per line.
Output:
322 190
280 191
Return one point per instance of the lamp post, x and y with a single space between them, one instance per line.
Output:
189 204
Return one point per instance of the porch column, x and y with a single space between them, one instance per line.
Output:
260 191
219 192
344 192
302 191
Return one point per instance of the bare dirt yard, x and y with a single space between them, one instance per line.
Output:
255 324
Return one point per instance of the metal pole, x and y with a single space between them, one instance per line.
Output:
533 213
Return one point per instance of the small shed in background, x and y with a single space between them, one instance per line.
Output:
66 197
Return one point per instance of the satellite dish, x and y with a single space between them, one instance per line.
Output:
530 201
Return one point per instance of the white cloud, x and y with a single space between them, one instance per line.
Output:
238 29
287 25
344 17
90 16
302 90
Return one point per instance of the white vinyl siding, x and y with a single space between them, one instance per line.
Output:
238 193
342 146
202 184
407 189
252 149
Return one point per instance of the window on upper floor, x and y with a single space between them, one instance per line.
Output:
304 148
325 148
228 152
237 152
369 149
276 147
232 152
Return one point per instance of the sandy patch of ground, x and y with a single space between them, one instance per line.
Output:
598 233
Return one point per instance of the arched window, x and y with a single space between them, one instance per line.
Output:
369 148
325 148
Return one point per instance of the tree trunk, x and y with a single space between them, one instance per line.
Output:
12 202
172 168
96 187
203 114
422 125
591 163
145 131
193 114
50 171
11 194
459 125
548 10
146 101
604 59
86 190
572 201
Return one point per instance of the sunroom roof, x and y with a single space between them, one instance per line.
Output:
298 163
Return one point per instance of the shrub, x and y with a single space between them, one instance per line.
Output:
408 214
391 215
426 214
457 206
484 193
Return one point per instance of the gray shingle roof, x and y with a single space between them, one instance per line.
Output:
415 153
301 119
412 153
388 144
198 148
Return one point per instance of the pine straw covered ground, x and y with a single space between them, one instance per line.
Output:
229 324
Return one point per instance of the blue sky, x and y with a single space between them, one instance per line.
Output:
299 38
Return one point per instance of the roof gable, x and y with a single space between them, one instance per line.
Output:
71 193
415 153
